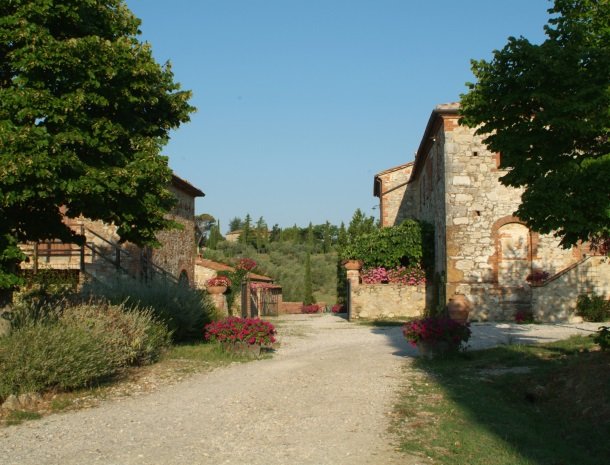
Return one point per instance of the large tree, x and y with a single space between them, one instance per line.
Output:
84 113
546 109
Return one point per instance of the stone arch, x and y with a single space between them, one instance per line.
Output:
515 249
183 278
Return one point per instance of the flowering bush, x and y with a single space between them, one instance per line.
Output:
537 276
338 308
247 330
219 281
246 264
436 329
310 308
412 276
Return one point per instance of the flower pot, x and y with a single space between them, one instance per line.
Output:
243 349
353 265
217 289
431 349
459 308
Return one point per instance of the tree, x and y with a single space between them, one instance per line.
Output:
235 224
203 226
262 235
246 231
360 224
546 109
326 237
215 236
307 290
84 113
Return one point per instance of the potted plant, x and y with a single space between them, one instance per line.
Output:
218 285
436 335
458 308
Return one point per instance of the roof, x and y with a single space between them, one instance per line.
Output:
186 186
217 266
376 185
428 137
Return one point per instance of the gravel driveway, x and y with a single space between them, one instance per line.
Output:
324 398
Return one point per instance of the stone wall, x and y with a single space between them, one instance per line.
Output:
201 276
178 249
391 188
556 300
373 301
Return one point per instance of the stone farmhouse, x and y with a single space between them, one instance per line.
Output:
102 255
482 250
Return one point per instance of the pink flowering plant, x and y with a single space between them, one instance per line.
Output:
409 276
310 308
338 308
219 281
436 329
245 330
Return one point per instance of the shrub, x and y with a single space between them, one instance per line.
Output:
524 317
183 310
338 308
39 356
409 276
246 330
408 244
313 308
602 337
593 307
436 329
132 336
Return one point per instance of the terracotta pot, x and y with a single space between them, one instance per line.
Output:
217 289
353 265
459 308
431 349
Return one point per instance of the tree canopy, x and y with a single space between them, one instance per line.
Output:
84 112
546 109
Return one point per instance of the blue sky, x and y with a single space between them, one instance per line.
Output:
301 102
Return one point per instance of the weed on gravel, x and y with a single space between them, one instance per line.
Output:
511 405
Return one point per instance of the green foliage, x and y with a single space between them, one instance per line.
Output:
183 310
407 244
308 298
215 236
360 225
10 257
602 337
41 356
593 307
545 109
84 113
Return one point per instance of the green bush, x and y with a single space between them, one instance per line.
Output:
41 355
185 311
131 336
602 337
593 307
407 244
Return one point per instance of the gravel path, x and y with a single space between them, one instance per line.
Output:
323 398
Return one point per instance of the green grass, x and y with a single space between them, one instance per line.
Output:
379 322
17 417
472 410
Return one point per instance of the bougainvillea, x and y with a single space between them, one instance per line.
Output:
246 330
436 329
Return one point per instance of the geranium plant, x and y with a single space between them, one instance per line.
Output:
310 308
219 281
435 330
338 308
246 264
241 330
409 276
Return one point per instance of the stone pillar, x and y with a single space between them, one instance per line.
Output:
220 302
353 276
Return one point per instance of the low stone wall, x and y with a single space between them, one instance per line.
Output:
290 307
387 301
556 300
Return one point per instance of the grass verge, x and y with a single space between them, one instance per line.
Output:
511 405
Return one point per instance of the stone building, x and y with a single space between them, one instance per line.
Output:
103 255
481 249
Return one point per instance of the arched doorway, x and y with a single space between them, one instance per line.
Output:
514 254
